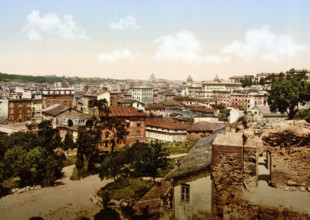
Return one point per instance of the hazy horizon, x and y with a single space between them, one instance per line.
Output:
133 39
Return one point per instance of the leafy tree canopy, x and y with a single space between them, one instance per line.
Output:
287 92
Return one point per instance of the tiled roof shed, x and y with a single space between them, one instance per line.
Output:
125 111
206 126
168 124
55 110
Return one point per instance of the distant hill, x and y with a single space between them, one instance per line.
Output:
4 77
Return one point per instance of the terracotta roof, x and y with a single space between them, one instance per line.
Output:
124 111
170 103
206 126
55 109
166 123
203 110
125 101
153 198
154 107
128 101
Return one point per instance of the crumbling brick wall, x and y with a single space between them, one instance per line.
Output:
227 177
290 158
250 166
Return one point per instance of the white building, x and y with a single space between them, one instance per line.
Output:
254 99
209 87
143 94
4 108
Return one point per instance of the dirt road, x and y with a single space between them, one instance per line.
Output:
68 200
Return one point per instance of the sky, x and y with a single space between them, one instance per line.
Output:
131 39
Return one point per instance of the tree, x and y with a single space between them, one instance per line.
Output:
150 159
247 82
15 161
87 144
111 166
3 144
36 161
287 92
68 142
48 136
27 140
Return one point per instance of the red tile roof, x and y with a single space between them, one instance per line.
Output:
154 107
153 198
166 123
203 110
124 111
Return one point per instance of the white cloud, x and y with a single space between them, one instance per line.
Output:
39 27
118 55
183 46
264 44
216 59
127 23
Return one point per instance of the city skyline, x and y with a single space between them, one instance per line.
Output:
133 39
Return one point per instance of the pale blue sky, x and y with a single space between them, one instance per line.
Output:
132 39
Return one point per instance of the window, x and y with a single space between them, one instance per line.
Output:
185 193
138 124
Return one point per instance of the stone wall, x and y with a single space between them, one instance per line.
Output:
227 175
250 166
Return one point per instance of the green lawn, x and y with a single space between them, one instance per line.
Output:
127 188
179 147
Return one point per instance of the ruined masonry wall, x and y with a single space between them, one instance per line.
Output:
227 177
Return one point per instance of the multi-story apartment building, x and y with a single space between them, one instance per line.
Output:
36 107
209 87
19 110
194 90
135 124
143 94
222 97
256 99
111 99
58 96
239 100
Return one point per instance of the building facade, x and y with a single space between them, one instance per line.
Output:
209 87
58 96
143 94
19 110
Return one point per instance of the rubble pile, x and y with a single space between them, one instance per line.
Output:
290 158
244 210
287 139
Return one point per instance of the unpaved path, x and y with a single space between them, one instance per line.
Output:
68 200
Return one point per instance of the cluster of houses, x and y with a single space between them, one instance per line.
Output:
162 110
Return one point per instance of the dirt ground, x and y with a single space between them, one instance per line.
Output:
68 200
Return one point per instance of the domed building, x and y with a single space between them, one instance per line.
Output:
217 79
152 77
189 79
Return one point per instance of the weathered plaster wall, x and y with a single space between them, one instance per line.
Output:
199 206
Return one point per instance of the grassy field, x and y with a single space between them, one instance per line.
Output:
127 188
179 147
